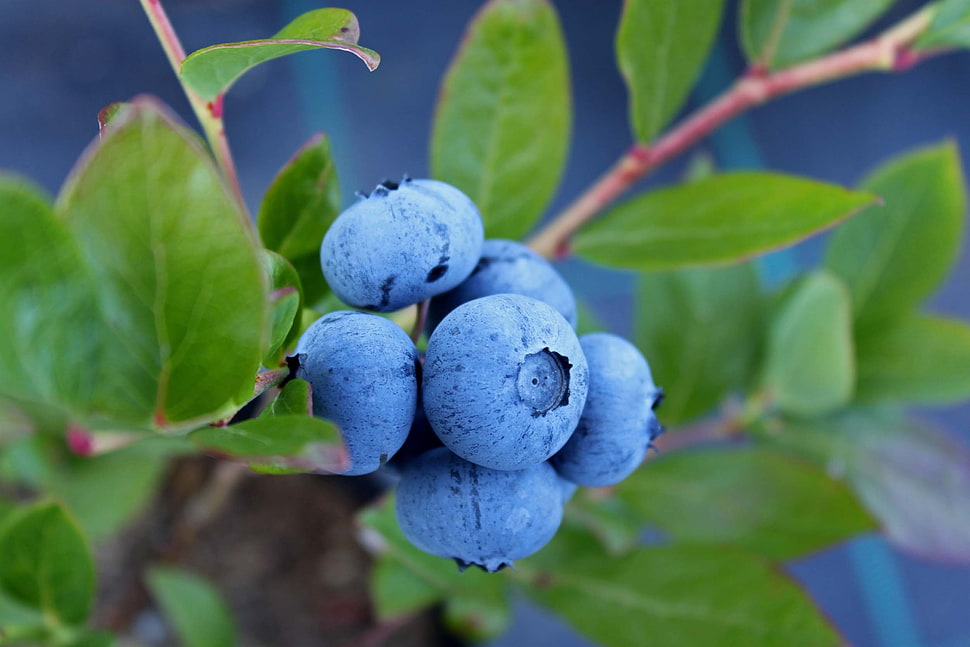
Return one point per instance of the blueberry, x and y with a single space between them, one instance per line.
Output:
477 516
402 244
504 381
363 370
420 439
507 266
618 423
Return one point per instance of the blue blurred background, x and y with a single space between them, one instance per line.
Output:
61 62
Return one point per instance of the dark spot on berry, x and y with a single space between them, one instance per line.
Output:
658 399
436 272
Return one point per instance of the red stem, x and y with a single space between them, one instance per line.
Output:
889 52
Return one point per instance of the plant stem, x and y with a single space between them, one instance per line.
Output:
209 113
889 52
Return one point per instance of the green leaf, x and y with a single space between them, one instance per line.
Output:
699 329
175 333
50 336
93 639
723 219
914 478
921 359
293 399
111 113
286 301
197 612
950 26
280 444
892 257
778 33
502 125
678 595
46 562
301 203
210 71
661 48
754 498
810 363
611 520
405 580
105 492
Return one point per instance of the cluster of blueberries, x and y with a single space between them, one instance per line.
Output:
507 413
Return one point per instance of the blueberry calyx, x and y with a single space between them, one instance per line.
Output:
543 381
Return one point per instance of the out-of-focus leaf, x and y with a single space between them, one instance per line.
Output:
406 580
755 498
286 302
614 522
196 611
502 125
661 48
920 358
283 444
725 218
777 33
676 595
913 477
93 639
893 256
210 71
950 26
810 363
46 563
302 201
699 330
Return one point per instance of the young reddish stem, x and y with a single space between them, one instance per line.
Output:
420 320
209 114
889 52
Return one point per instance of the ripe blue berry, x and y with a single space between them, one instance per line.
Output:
618 423
507 266
504 381
477 516
402 244
363 372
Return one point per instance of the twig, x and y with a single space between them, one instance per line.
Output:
420 320
890 52
209 113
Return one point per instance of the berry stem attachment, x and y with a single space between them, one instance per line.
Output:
890 51
420 320
209 113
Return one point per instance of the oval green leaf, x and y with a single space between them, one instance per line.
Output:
502 125
285 303
920 359
894 256
778 33
913 477
719 220
282 444
753 498
677 595
810 358
176 323
699 329
210 71
195 609
661 47
46 562
950 26
301 203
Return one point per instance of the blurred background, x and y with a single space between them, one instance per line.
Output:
61 62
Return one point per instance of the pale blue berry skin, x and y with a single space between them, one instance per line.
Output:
477 516
363 373
402 244
618 423
504 381
507 266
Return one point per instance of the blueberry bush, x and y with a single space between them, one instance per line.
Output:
148 317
